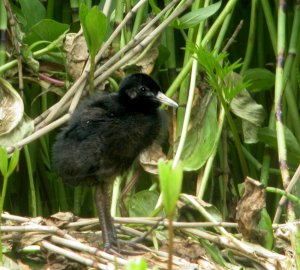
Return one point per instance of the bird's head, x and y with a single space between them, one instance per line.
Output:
140 91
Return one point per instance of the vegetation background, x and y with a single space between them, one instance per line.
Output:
233 67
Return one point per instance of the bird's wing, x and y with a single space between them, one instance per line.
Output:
87 122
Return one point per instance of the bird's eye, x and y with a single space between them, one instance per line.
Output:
143 88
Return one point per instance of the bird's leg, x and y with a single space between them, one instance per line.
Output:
102 200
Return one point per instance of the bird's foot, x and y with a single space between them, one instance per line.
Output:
124 247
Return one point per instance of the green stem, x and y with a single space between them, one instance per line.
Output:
279 84
31 181
270 22
91 74
56 43
210 161
297 244
138 20
188 65
3 28
221 36
236 136
115 196
281 192
289 95
251 37
4 187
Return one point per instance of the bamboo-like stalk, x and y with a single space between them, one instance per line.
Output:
184 82
31 181
279 87
3 28
270 22
289 95
251 37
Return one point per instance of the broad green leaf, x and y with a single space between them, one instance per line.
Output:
194 17
170 180
202 135
24 128
251 113
142 203
94 27
136 264
260 79
46 29
3 161
33 11
13 162
265 226
268 136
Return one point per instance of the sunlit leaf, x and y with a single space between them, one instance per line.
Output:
265 226
3 161
194 17
136 264
170 180
94 25
13 162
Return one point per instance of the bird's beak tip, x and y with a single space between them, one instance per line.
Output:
166 100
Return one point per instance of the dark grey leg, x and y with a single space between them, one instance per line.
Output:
102 200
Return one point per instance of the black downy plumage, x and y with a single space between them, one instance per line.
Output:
105 135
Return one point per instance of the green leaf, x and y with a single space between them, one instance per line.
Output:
94 26
170 180
233 83
202 135
260 79
3 161
136 264
33 11
194 17
142 203
13 162
46 29
265 227
251 113
245 107
268 136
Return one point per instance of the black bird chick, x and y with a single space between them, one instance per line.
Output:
105 135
